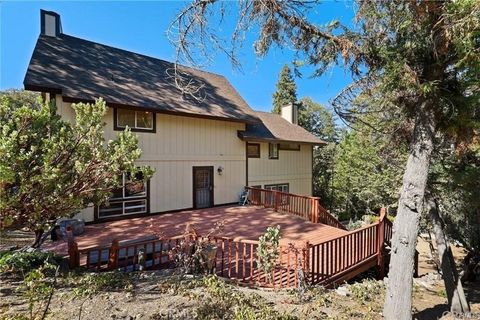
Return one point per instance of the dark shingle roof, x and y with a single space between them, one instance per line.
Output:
84 70
274 128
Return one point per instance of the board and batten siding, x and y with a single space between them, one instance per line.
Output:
179 144
292 167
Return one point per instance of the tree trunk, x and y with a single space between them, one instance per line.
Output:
38 239
398 299
453 286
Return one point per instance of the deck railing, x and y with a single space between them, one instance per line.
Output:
308 208
235 259
341 258
326 263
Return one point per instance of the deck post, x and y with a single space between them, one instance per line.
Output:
113 255
276 200
74 255
305 262
314 213
380 245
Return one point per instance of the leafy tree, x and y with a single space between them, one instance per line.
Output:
286 90
368 171
50 168
318 120
417 60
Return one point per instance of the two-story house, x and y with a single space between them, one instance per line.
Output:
204 150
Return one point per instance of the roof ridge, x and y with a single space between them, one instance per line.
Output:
139 54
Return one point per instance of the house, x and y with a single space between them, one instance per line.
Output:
204 150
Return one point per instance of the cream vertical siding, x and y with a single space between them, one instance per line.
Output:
179 144
292 167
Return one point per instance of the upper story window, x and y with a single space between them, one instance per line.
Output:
289 146
134 119
253 150
273 151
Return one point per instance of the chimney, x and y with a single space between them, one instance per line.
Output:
290 113
50 24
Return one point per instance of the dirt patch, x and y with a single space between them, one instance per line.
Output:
15 238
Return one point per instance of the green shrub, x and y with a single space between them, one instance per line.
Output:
353 225
267 251
89 284
367 291
24 262
37 287
223 302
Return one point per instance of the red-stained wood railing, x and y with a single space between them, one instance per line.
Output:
344 257
234 259
308 208
332 261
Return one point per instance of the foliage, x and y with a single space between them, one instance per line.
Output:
455 185
50 168
20 262
37 289
196 254
286 92
222 302
267 250
367 290
367 172
319 121
89 284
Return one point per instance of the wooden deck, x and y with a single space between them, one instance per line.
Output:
240 222
314 245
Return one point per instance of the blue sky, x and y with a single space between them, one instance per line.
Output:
141 27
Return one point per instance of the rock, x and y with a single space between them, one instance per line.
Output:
427 280
342 291
78 225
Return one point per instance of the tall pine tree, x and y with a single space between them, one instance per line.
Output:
416 60
286 90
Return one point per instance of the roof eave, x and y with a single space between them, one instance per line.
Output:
276 140
33 87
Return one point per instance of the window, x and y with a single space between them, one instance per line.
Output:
289 146
131 198
135 120
273 151
253 150
283 187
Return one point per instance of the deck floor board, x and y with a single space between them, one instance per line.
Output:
240 222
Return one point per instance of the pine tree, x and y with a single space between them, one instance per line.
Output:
416 60
286 90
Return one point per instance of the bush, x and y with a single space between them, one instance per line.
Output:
367 291
89 284
20 262
223 302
